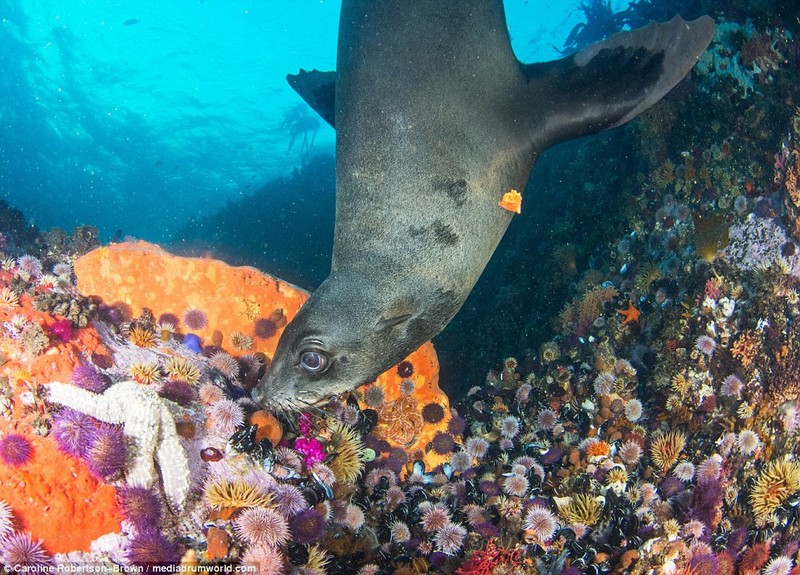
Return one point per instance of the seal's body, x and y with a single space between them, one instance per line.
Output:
436 120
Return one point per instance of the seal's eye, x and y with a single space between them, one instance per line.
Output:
313 361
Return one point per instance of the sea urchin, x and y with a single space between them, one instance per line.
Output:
15 449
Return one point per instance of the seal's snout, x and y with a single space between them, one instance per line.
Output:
275 389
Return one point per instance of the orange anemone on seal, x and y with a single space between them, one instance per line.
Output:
511 201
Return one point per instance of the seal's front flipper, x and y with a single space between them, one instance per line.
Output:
610 82
318 89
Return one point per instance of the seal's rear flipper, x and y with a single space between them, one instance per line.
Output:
610 82
318 89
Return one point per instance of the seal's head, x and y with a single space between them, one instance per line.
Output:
345 335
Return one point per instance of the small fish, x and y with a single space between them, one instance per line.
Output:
131 22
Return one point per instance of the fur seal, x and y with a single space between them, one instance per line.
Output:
436 120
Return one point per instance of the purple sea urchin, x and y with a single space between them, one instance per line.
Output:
505 444
15 449
407 386
72 431
307 526
265 559
324 474
540 523
353 517
780 565
210 394
442 443
516 485
180 392
684 471
6 519
489 488
694 529
376 476
633 410
476 447
457 425
670 486
374 396
262 525
604 383
350 415
432 413
405 369
226 364
703 560
289 499
732 386
705 345
461 461
30 265
509 427
523 393
87 377
394 497
194 318
475 514
525 460
399 532
449 538
150 547
434 518
62 269
20 550
488 530
141 506
710 469
168 319
226 416
748 441
106 451
546 419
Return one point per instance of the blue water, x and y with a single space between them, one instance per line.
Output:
135 115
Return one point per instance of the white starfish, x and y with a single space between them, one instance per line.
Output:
148 421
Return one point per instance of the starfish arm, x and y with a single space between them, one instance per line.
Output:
86 402
142 408
141 468
173 462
